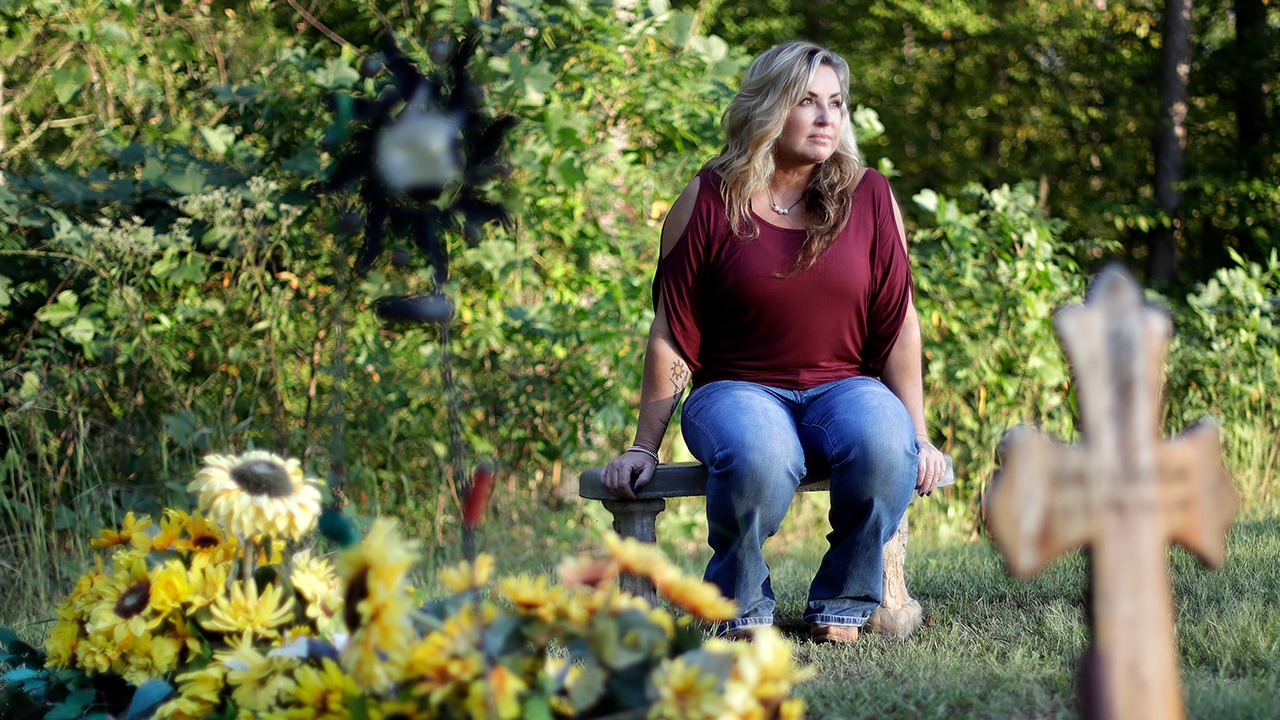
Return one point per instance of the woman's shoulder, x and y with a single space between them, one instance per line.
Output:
872 180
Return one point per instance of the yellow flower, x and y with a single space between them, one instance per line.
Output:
131 533
96 653
441 659
206 542
585 571
399 710
171 526
60 644
170 586
465 576
321 692
764 668
791 709
499 693
206 582
258 681
273 555
684 692
247 610
531 595
125 608
376 606
698 598
639 558
199 694
319 588
258 493
88 592
148 657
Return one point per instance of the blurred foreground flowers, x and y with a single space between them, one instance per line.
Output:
230 612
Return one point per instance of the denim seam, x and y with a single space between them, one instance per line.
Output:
840 620
754 621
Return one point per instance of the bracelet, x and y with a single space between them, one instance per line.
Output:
645 450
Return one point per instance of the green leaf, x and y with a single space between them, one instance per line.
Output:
19 674
30 385
73 707
336 73
149 696
587 688
219 138
680 29
187 181
81 331
927 200
66 309
68 81
536 707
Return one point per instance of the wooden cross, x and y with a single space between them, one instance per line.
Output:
1123 493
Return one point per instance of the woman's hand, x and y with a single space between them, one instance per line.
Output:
629 472
932 469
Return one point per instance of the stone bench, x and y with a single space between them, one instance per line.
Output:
899 614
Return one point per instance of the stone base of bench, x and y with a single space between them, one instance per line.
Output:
899 614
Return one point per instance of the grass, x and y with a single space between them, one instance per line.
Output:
991 647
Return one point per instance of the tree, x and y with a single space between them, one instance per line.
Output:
1171 138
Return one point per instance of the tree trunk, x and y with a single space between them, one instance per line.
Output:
1251 109
1171 137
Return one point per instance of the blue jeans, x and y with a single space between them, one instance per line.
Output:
758 442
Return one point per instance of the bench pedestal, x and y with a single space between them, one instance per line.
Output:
899 614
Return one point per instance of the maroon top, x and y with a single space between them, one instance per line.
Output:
734 318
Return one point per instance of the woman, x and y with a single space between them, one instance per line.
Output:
783 297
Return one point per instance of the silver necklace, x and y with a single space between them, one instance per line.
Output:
782 210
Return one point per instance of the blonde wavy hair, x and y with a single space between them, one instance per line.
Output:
775 83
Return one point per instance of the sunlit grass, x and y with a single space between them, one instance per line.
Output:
991 647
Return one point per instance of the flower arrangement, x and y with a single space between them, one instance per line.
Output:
229 612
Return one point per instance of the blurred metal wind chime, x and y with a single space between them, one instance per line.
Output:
421 152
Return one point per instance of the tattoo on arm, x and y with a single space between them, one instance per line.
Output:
679 381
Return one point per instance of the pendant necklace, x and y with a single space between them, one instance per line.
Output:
783 210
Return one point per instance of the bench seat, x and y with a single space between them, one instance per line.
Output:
899 614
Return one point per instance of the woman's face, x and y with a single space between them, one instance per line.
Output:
813 126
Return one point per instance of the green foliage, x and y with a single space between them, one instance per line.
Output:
997 91
1224 364
988 280
29 690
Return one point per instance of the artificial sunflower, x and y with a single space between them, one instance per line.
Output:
468 576
321 693
150 656
377 604
497 696
585 571
318 588
199 694
258 493
205 541
696 597
764 666
125 609
639 558
206 582
249 611
133 532
685 691
447 658
258 681
531 595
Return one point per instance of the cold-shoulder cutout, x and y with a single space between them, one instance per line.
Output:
678 217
